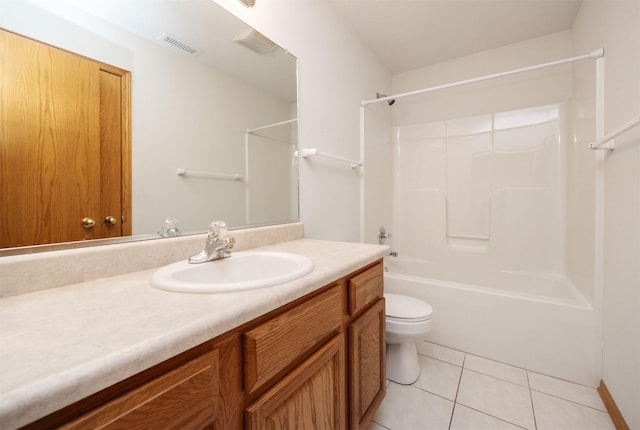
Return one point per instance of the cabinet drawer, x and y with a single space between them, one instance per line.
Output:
276 344
184 398
312 396
365 288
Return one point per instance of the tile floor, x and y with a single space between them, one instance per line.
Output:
459 391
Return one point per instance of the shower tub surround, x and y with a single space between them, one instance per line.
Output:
62 343
480 228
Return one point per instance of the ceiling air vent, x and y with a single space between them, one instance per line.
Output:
248 3
176 43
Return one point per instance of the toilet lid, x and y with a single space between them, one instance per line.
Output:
406 308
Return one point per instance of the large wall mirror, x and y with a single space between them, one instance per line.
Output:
213 109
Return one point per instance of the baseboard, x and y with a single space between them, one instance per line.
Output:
612 408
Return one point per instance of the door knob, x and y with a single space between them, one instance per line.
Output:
88 222
110 220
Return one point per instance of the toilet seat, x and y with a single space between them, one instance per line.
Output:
406 309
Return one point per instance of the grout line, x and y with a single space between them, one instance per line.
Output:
569 400
377 423
455 398
561 379
501 362
426 391
498 378
533 409
453 411
444 346
441 360
492 416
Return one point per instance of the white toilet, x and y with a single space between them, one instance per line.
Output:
407 321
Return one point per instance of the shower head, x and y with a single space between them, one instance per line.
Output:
390 102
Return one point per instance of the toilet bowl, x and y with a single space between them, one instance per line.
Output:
407 321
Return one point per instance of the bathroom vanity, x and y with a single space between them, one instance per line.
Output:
308 353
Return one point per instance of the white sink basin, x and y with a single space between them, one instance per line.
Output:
242 271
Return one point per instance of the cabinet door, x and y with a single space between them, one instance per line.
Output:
310 397
184 398
367 385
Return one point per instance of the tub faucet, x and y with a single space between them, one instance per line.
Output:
217 246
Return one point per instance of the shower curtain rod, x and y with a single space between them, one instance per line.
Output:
275 124
598 53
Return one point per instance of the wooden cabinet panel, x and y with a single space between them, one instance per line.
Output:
231 402
367 385
184 398
365 288
273 346
310 397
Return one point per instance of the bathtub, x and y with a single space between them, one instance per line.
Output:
537 322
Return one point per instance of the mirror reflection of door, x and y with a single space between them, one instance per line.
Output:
65 164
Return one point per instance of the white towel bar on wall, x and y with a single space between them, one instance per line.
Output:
598 144
308 152
275 124
210 175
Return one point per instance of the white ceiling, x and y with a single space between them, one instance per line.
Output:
409 34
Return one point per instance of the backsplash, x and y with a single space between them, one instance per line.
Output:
21 274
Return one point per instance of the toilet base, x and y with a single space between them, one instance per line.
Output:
402 363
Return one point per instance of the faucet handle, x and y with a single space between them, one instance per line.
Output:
217 230
229 242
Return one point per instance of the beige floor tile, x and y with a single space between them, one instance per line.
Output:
438 377
409 408
468 419
505 400
440 352
553 413
496 369
567 390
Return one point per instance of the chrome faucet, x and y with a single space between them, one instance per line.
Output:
217 246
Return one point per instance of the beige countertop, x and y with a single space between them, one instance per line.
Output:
60 345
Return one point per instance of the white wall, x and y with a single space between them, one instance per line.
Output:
615 25
336 71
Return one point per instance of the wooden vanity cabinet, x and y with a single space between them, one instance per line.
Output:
317 362
312 396
367 381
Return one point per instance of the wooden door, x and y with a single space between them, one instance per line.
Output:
366 365
64 145
310 397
